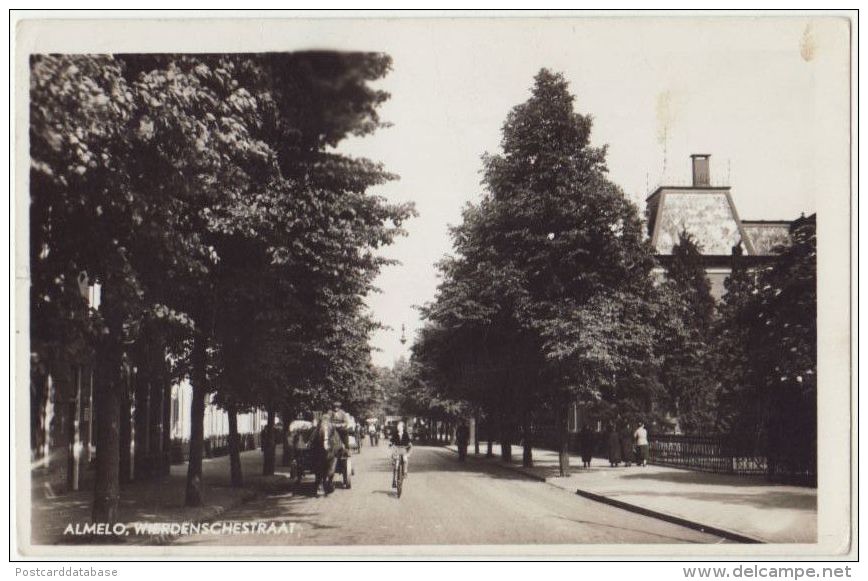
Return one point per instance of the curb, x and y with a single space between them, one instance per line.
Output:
723 533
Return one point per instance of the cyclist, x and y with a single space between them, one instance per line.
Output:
400 440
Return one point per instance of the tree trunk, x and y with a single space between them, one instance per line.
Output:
268 446
126 432
142 460
156 363
197 424
234 447
476 434
527 441
107 403
155 427
505 441
564 441
489 452
285 451
166 386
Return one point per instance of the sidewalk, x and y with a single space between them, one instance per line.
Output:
160 500
743 507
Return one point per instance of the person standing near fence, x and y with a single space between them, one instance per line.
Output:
640 437
614 446
586 446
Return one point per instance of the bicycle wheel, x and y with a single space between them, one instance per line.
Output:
400 476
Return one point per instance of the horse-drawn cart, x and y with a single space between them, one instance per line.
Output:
305 461
300 463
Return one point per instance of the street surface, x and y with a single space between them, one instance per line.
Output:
444 502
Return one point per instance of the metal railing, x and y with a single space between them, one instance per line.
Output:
705 453
715 454
212 446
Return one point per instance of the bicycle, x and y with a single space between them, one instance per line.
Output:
399 470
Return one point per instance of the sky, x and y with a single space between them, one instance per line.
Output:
767 97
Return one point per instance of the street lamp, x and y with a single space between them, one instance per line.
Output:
403 335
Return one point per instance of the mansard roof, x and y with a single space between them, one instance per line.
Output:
707 213
767 235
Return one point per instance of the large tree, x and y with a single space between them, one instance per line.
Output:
783 344
765 339
739 410
687 364
550 242
82 217
568 232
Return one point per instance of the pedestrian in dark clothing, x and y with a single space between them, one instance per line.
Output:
462 437
586 446
627 451
614 446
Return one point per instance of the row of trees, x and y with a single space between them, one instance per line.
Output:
232 244
550 298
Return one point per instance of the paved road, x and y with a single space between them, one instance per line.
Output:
444 502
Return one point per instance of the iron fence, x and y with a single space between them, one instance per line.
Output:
705 453
718 454
212 446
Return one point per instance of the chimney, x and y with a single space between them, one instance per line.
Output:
701 177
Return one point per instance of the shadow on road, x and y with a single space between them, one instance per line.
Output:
765 500
445 461
696 477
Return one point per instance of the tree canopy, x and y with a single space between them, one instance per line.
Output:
205 194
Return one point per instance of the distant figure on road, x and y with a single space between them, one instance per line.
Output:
373 435
586 446
640 436
359 435
614 446
462 437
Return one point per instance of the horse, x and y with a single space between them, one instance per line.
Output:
325 448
